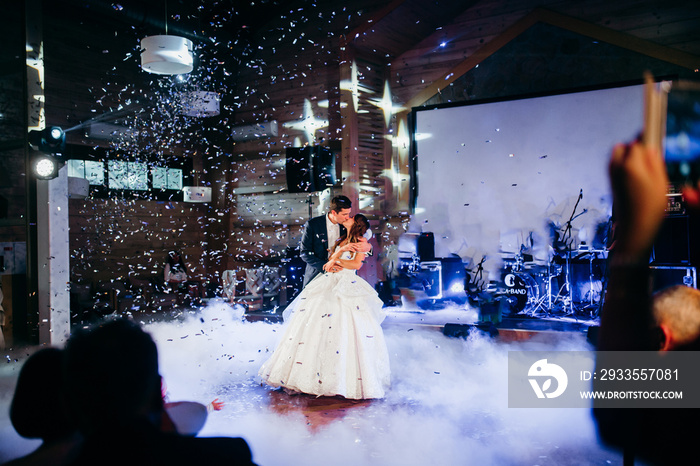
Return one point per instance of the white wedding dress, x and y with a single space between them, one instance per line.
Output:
333 343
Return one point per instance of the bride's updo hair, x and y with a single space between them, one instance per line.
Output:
360 225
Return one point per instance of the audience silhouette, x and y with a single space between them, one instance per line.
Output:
114 391
38 411
677 315
639 184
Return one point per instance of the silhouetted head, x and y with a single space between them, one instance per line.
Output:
111 375
38 408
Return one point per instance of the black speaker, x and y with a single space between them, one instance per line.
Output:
672 245
309 169
665 276
426 247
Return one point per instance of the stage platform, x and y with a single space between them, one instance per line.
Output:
511 328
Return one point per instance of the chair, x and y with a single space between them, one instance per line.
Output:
262 283
254 288
228 279
113 296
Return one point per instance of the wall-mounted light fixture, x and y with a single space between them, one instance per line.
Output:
50 141
200 104
45 167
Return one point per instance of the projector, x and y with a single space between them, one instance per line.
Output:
197 194
200 104
255 131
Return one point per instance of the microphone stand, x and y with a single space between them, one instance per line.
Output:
479 274
568 242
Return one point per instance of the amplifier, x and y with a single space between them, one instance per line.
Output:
665 276
430 277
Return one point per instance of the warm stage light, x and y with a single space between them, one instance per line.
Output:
51 141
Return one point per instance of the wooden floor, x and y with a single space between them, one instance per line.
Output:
318 411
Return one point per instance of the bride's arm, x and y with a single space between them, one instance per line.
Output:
355 263
338 252
333 261
361 246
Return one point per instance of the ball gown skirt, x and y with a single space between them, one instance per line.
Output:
333 343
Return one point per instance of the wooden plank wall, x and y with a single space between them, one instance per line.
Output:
114 239
299 66
372 132
12 196
93 71
87 78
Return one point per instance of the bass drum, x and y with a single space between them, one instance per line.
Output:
521 290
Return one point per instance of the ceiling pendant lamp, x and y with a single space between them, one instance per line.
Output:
166 54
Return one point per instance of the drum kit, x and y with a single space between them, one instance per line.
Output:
571 282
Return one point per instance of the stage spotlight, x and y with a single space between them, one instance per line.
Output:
45 167
49 140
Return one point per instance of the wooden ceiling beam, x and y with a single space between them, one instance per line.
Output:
370 23
600 33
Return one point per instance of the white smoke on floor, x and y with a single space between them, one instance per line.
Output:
447 403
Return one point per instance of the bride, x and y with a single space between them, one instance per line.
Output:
333 343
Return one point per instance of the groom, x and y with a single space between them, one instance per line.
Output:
320 234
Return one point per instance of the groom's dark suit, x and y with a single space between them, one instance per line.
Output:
314 246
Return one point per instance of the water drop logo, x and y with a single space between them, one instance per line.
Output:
546 372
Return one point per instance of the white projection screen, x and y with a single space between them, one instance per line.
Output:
493 177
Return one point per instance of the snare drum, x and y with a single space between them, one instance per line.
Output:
522 291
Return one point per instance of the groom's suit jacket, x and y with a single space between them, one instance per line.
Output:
314 246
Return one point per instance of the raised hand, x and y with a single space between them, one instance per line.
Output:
639 184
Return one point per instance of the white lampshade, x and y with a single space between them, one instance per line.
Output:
166 55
